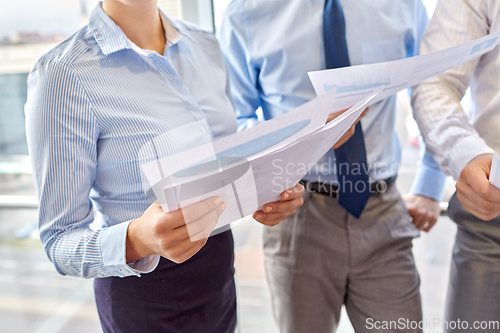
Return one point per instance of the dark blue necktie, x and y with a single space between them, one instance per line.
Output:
354 187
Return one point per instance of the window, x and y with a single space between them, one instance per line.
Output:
33 297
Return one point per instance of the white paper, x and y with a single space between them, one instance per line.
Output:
306 118
262 183
282 169
355 82
495 170
279 152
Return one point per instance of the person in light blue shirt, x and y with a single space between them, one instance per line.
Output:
325 255
129 78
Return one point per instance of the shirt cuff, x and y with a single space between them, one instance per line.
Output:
429 183
146 265
113 253
429 180
465 151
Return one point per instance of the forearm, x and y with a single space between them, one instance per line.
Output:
92 254
444 125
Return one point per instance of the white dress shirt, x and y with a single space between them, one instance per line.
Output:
450 135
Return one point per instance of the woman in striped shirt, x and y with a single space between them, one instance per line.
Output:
94 102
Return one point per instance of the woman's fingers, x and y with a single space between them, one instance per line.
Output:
291 199
203 227
173 234
271 219
275 212
283 206
188 239
294 192
191 213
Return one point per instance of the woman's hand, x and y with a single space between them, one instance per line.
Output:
275 212
176 236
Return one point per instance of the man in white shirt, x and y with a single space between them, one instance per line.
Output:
463 147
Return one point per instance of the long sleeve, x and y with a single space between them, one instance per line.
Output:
62 135
444 125
429 180
234 41
412 43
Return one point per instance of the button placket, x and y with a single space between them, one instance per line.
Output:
164 68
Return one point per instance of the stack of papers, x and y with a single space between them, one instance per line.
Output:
251 168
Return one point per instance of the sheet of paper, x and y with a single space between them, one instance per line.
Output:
495 170
341 125
285 167
279 131
355 82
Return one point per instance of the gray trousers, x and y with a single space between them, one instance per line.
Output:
322 258
474 288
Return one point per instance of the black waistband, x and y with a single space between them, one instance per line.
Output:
332 190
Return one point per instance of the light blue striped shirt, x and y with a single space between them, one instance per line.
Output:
93 102
271 45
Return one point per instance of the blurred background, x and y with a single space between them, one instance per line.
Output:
33 297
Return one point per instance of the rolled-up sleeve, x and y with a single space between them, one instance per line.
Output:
62 134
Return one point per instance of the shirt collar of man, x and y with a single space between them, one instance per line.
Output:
111 38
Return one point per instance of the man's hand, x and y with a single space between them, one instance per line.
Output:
176 236
423 210
275 212
347 135
474 190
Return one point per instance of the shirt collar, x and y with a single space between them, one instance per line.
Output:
111 38
174 29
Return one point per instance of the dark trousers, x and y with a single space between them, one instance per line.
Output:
195 296
474 288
